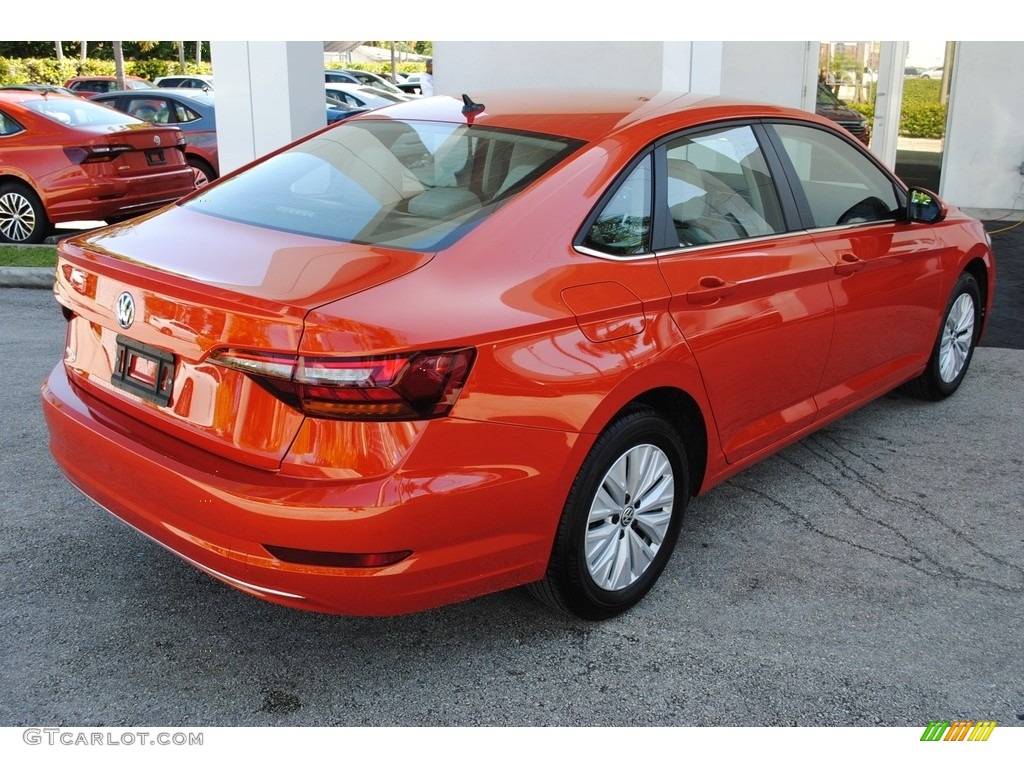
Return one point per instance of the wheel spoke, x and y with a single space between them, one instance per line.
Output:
601 548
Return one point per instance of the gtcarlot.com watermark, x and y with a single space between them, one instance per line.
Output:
80 737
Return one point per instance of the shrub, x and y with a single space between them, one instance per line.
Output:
922 116
21 71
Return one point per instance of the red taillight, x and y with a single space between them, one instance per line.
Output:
97 154
419 385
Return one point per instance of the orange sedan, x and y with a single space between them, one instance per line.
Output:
448 348
63 158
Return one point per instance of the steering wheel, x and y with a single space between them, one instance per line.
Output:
868 209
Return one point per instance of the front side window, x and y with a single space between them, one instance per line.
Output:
719 188
415 185
841 185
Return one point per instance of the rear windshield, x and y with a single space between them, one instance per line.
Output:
413 185
75 111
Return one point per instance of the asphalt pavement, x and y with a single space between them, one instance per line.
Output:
871 574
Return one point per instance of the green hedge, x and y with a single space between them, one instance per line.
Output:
922 116
383 68
21 71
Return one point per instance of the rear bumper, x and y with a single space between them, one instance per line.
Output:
115 198
470 529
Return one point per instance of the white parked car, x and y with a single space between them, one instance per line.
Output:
362 96
203 82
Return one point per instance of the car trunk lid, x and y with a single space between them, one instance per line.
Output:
135 149
152 299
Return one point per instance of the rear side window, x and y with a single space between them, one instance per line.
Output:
715 187
415 185
719 188
842 186
623 227
159 111
9 126
97 86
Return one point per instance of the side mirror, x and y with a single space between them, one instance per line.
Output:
925 206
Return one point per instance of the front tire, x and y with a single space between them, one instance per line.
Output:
954 347
621 519
23 218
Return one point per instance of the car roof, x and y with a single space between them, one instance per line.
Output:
104 78
589 114
196 95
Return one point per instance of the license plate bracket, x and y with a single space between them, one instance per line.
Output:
156 157
143 370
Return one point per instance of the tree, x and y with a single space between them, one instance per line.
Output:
119 64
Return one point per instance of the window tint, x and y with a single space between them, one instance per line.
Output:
415 185
842 186
624 225
719 188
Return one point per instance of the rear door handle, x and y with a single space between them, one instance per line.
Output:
711 290
849 263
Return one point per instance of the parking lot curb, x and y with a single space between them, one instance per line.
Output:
26 277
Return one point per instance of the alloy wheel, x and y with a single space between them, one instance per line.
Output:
957 337
629 517
17 217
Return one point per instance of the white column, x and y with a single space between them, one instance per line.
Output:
268 94
694 67
888 101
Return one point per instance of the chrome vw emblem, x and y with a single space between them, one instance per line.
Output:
156 140
125 310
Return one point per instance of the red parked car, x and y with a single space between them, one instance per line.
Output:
445 348
63 158
90 85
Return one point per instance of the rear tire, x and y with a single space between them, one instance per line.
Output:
954 347
23 218
202 172
621 519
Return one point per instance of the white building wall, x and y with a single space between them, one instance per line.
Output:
268 94
784 73
475 67
774 72
984 145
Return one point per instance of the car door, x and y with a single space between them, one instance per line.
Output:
751 296
886 279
